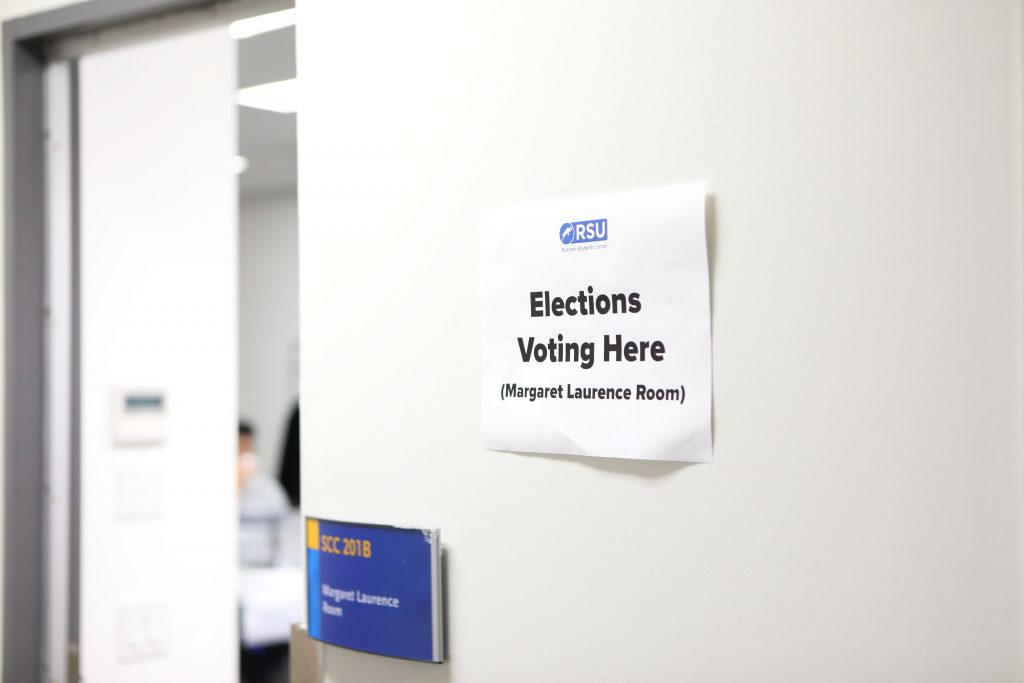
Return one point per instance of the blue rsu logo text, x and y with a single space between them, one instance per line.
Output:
584 231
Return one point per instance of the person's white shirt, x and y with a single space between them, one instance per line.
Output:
262 508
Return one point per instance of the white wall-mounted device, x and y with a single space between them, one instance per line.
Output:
138 417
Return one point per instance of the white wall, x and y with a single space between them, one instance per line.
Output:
861 520
159 256
268 319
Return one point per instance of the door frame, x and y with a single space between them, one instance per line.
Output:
27 42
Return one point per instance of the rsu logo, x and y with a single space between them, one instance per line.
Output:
584 231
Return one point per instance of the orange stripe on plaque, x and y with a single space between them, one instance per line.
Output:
313 534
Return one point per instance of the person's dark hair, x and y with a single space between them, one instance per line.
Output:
245 428
289 473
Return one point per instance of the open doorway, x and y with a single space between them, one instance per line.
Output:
270 532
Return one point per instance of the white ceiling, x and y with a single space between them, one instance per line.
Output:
267 139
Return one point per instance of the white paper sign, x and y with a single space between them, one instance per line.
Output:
596 326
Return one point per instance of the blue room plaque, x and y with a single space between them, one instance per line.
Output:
375 588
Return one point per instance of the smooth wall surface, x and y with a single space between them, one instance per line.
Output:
159 254
861 520
268 319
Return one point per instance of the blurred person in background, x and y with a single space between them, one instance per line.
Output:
262 505
262 512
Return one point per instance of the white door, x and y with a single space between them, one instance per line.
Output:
158 237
